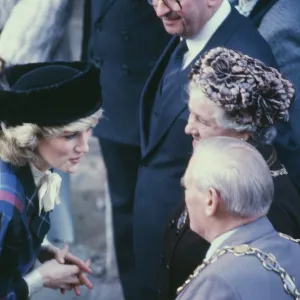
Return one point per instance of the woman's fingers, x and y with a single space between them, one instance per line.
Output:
61 254
72 259
85 281
77 290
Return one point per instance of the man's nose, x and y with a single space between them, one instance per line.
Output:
161 9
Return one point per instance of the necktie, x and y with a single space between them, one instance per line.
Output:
49 191
175 64
176 59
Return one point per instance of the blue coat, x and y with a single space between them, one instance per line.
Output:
22 229
165 156
126 39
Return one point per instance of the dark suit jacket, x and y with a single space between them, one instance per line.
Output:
278 22
184 250
125 39
165 157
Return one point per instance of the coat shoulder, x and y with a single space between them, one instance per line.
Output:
11 190
243 274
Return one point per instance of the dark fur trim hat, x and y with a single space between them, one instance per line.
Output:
50 94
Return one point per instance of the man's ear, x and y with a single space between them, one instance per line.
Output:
212 202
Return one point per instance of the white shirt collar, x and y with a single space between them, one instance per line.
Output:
245 7
207 31
37 174
48 185
217 242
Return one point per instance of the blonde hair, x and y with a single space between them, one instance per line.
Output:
18 144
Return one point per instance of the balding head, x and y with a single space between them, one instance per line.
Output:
229 177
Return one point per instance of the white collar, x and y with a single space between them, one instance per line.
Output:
37 174
209 28
217 242
245 7
48 185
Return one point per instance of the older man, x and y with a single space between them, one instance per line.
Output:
165 148
228 195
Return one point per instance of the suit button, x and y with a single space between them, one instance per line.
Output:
125 69
162 258
125 35
98 26
99 62
144 164
168 267
172 223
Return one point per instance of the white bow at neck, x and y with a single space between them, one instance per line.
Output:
48 184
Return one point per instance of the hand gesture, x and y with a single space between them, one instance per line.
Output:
57 275
63 256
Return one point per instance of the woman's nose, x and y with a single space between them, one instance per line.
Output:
189 128
83 145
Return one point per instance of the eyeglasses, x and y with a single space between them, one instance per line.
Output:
171 4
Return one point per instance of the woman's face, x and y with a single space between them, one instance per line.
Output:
201 123
65 151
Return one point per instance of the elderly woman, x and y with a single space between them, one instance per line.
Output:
233 95
47 112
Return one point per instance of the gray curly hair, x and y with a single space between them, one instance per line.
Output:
252 97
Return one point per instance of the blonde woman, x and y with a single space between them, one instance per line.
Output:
47 113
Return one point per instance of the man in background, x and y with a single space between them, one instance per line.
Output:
124 38
279 23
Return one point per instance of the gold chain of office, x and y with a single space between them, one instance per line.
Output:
268 260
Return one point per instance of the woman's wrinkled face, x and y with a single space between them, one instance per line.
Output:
201 122
65 151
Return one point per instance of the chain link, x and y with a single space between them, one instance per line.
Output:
268 260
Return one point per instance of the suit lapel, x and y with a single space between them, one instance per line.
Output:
260 9
170 109
102 7
175 104
149 91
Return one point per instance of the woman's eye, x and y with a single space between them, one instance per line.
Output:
70 136
199 120
202 122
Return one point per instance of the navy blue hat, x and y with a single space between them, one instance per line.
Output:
50 94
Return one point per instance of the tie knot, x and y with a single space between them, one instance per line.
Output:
181 49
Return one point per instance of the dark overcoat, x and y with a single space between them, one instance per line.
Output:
125 40
167 149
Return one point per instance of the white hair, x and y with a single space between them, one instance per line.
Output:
260 135
237 171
